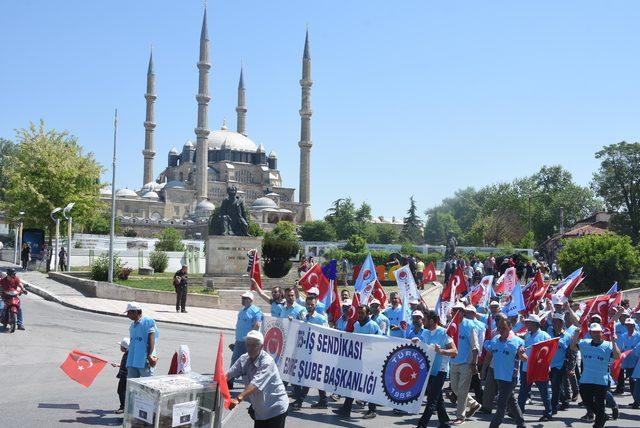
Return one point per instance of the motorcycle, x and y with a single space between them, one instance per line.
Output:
11 305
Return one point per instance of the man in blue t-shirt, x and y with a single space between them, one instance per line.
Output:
380 318
395 314
291 308
249 318
276 300
505 350
343 322
437 336
559 363
534 335
627 341
415 331
594 381
143 338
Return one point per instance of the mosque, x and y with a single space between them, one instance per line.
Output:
196 178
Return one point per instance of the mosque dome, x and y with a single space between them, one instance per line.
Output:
205 206
105 191
126 193
174 184
262 203
151 195
232 140
151 186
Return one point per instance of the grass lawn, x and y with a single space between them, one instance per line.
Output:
162 282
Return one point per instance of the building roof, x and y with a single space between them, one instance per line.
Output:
232 140
585 230
174 184
126 193
151 195
205 206
263 203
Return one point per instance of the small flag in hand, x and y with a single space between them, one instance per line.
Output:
539 361
82 367
254 266
220 375
616 364
453 328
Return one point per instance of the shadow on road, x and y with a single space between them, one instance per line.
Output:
100 417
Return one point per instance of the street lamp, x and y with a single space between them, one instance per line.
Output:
17 241
65 213
55 251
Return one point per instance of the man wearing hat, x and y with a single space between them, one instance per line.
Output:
594 381
122 373
378 317
487 373
342 322
263 386
395 315
627 341
143 337
415 332
560 394
464 366
311 292
249 318
534 335
471 313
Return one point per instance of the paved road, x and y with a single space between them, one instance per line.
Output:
36 393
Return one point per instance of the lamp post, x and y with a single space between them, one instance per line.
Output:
17 240
55 218
65 213
113 198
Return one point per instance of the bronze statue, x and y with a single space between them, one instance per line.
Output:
231 218
452 246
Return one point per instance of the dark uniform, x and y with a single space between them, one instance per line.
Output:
180 283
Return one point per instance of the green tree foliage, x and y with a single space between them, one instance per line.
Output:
48 169
318 230
159 261
278 247
101 223
130 232
7 149
100 267
342 216
618 183
356 244
408 248
438 224
605 258
412 229
382 234
170 240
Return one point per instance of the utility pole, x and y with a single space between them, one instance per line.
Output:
113 198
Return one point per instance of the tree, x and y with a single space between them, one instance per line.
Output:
342 216
363 214
412 229
384 233
278 247
618 183
48 169
318 230
437 227
356 244
605 258
7 149
170 240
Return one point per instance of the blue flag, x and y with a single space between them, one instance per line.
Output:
517 302
366 278
330 272
613 289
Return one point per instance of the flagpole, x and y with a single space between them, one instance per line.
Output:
113 198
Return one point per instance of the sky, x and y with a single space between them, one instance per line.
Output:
409 98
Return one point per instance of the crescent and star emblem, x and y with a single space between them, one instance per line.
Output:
399 371
544 351
313 279
87 359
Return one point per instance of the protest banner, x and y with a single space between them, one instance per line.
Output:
388 371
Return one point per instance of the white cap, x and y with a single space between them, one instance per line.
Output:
374 301
347 302
133 306
255 334
417 314
558 316
414 302
471 308
248 295
494 303
124 342
595 327
625 312
595 316
313 290
533 318
629 321
558 299
458 305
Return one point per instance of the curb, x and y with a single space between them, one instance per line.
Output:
38 291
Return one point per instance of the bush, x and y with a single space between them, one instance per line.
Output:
129 232
278 246
254 229
356 244
159 261
124 273
170 240
318 230
100 267
605 259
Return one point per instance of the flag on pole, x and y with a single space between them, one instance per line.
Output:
454 327
458 282
330 299
315 277
352 317
220 376
617 364
429 274
379 293
567 285
539 360
365 279
516 302
82 367
592 306
613 289
408 290
254 268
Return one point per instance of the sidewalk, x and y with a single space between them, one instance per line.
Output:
40 284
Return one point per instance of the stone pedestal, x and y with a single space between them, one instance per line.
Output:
227 256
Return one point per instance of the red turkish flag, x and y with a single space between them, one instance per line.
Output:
429 274
379 293
539 362
173 367
220 376
594 305
616 364
314 277
453 327
353 312
82 367
255 270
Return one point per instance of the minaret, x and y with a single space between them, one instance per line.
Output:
149 125
305 133
203 98
241 110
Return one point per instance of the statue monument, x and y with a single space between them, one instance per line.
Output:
452 246
231 218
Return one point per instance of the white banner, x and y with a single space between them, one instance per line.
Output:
384 370
406 284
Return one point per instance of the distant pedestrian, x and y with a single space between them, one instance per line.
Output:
180 282
62 260
143 338
25 255
122 373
